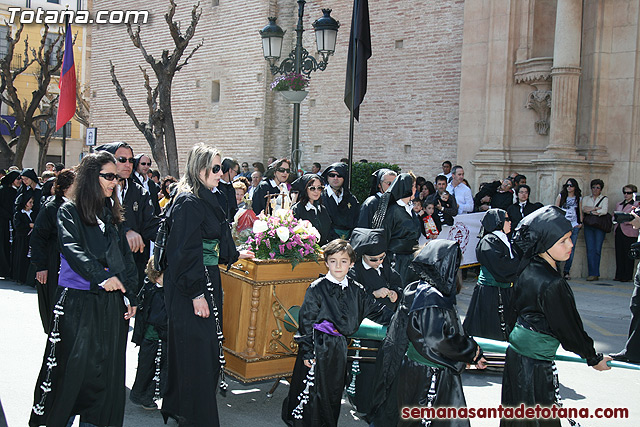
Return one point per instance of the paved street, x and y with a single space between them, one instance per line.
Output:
603 306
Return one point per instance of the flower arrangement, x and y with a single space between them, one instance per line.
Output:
281 236
290 81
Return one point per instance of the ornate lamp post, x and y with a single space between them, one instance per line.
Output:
299 60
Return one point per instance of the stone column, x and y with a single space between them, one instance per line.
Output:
565 76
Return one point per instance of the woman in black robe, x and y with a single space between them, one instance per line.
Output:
83 367
546 317
381 180
490 305
45 252
8 192
22 226
274 182
402 225
372 270
199 237
310 207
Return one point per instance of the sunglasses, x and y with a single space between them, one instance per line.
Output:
283 170
144 163
109 176
216 168
334 175
376 259
597 187
508 219
628 192
318 188
568 185
125 159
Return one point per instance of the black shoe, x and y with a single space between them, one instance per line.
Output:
145 405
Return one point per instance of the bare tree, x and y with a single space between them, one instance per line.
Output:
82 105
43 128
159 130
23 109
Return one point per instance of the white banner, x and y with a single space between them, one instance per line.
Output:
465 230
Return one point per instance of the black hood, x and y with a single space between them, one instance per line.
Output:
301 183
9 178
341 168
136 160
23 198
112 147
376 179
30 173
540 230
402 187
438 263
493 220
368 241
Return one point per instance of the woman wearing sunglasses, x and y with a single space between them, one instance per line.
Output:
310 207
198 237
83 367
274 182
570 201
625 235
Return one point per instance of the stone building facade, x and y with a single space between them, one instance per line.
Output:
548 88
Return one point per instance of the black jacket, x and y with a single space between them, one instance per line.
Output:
94 255
516 216
344 215
367 209
154 189
320 220
138 212
227 197
258 201
45 252
372 281
403 229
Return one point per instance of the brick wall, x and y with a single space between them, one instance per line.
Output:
409 116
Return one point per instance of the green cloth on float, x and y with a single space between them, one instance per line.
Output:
151 334
413 354
535 345
210 251
486 279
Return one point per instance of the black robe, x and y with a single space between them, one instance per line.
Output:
36 193
193 347
403 231
45 255
372 281
344 216
227 195
139 217
367 210
544 302
502 200
259 201
435 331
7 201
154 189
516 216
21 235
345 308
489 311
320 220
84 360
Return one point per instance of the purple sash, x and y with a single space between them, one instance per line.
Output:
327 327
69 278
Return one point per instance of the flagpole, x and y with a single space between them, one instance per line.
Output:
64 143
353 90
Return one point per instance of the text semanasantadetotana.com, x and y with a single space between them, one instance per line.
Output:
517 412
75 17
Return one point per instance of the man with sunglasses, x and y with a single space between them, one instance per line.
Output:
141 165
140 223
343 207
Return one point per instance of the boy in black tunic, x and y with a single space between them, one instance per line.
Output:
333 308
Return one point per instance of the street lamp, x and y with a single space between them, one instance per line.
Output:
299 60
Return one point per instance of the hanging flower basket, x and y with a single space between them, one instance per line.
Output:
294 96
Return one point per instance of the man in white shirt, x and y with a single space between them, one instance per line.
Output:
460 191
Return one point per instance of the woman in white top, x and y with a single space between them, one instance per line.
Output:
596 204
570 201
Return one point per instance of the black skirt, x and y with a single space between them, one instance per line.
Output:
487 313
83 367
193 360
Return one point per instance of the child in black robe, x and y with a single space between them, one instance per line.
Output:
333 308
373 270
22 225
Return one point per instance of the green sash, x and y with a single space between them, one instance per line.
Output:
343 234
413 354
210 251
535 345
486 279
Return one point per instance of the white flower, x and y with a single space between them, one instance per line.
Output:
305 223
260 226
299 229
283 233
281 213
314 231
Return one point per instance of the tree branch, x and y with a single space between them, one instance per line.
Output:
125 101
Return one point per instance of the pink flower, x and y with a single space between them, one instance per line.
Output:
301 252
272 255
268 243
281 247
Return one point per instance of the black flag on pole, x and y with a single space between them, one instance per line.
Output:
360 46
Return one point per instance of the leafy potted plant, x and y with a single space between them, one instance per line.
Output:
291 86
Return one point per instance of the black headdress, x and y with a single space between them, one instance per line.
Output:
438 263
402 187
9 178
368 241
540 230
493 220
376 180
112 147
341 168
